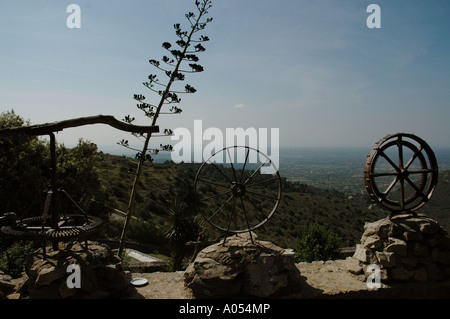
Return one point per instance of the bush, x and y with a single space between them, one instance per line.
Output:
23 160
13 260
317 243
25 173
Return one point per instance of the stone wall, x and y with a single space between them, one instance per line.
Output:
413 254
242 268
102 275
406 248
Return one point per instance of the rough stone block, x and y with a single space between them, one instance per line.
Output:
361 253
397 246
242 268
386 259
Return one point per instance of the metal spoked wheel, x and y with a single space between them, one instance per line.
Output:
401 173
71 226
238 189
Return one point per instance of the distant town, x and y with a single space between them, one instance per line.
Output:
335 168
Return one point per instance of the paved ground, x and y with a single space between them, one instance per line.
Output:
140 256
318 280
162 285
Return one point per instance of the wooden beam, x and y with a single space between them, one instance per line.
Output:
47 128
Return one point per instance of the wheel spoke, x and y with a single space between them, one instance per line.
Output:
419 149
214 196
400 152
262 182
245 163
423 171
258 209
232 213
251 176
232 166
386 192
213 183
390 161
402 194
215 166
413 185
383 174
245 214
210 217
261 195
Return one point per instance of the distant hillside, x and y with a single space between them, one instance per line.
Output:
439 205
300 204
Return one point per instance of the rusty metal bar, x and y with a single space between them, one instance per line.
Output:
47 128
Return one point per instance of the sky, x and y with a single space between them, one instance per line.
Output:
312 69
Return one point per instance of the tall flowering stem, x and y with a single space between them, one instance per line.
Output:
188 46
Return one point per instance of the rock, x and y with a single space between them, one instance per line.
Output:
386 259
353 266
401 273
361 253
406 248
420 274
420 250
101 273
372 242
429 227
242 268
412 236
6 286
410 260
396 246
434 272
48 273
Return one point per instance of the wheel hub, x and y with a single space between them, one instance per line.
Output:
238 189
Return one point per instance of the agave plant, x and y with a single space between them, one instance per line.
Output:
173 67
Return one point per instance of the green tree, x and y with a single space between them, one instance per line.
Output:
25 167
189 44
317 243
22 163
14 259
78 175
184 228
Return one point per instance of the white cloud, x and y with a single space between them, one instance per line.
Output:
239 106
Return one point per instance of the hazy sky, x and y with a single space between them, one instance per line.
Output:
313 69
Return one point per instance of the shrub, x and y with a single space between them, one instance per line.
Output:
317 243
13 260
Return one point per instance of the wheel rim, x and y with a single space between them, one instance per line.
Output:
401 173
238 198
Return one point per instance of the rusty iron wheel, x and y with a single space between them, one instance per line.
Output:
401 173
238 199
72 226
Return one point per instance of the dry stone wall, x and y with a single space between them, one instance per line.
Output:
406 248
242 268
101 271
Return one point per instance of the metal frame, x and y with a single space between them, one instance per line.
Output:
52 225
237 191
400 173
